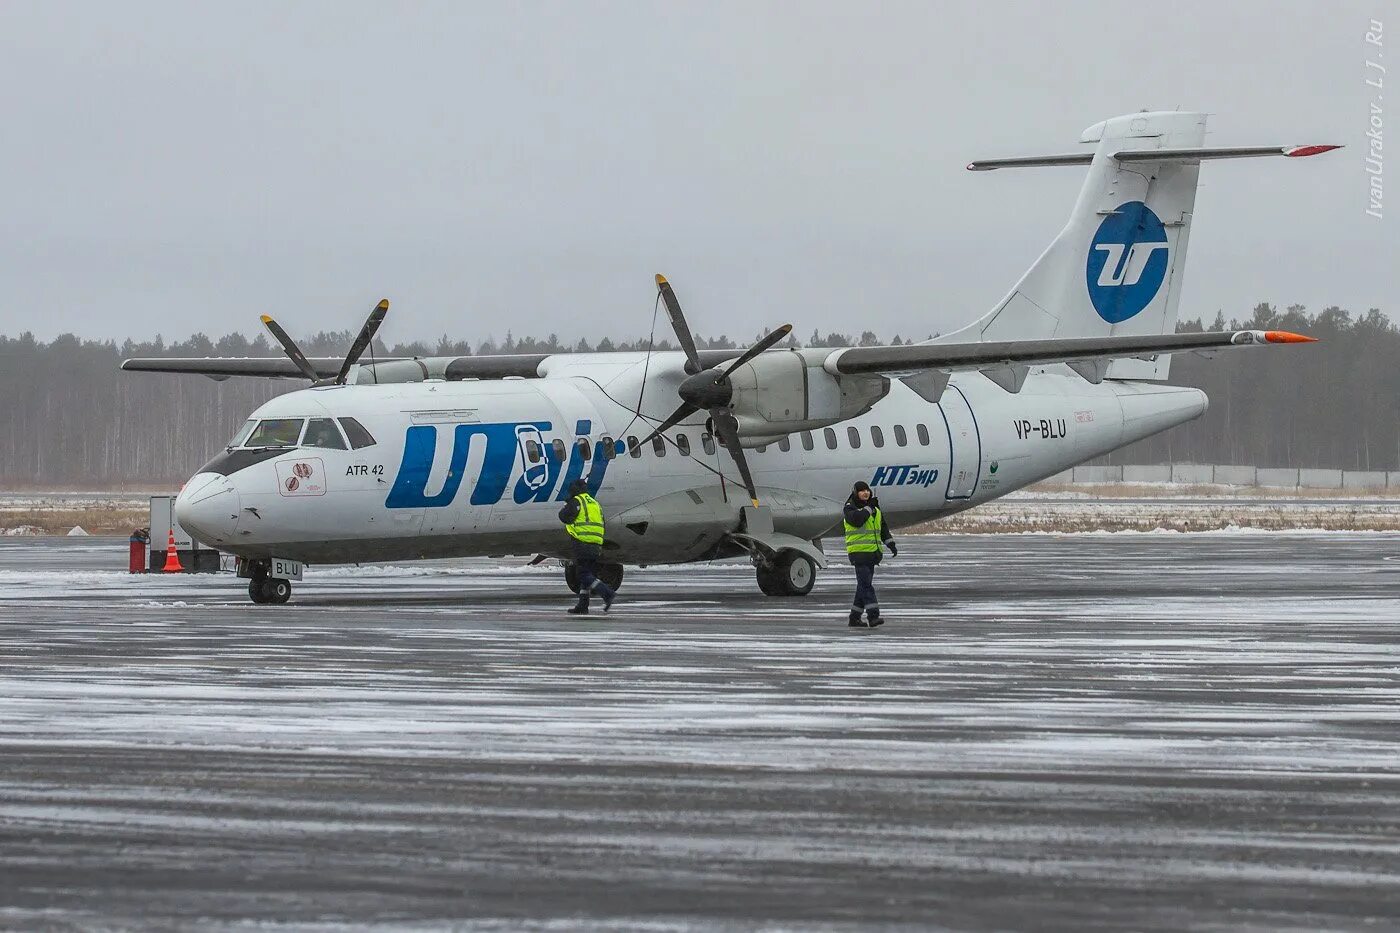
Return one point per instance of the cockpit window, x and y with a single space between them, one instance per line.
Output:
276 432
242 434
359 437
322 432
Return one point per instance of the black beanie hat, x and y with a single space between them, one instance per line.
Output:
578 487
861 486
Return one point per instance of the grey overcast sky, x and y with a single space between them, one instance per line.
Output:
185 167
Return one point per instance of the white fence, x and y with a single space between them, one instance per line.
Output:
1220 474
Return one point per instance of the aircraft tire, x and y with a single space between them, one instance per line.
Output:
255 590
796 573
610 574
770 582
278 591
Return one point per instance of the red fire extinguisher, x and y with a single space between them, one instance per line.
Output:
140 539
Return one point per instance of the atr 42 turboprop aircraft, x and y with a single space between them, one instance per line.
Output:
442 457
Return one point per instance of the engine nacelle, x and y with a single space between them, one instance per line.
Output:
779 393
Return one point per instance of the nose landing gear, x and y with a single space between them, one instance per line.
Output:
269 590
264 589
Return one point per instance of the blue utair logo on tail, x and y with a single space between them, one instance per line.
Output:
1127 262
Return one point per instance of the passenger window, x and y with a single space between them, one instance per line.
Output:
877 437
853 435
784 444
923 435
322 432
807 440
359 437
583 449
658 445
634 446
533 452
683 445
707 441
561 453
242 434
277 432
900 436
830 436
609 448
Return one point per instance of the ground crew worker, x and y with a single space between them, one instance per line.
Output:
865 532
583 520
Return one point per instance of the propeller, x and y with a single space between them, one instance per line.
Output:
710 389
357 349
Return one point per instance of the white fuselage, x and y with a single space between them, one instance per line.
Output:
471 467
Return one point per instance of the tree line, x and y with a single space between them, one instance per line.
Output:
71 418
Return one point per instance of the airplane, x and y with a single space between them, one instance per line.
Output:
698 455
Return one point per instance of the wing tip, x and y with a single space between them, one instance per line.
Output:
1300 152
660 279
265 318
1283 336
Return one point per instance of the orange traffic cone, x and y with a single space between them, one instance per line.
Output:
172 557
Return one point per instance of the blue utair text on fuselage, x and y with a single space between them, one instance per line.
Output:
904 474
503 449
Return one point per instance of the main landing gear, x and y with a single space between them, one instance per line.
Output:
610 574
790 573
262 588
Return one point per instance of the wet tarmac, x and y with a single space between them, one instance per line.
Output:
1066 732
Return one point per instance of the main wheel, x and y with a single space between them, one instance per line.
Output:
796 573
611 575
256 590
769 581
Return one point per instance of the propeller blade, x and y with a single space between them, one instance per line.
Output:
758 348
357 349
727 427
678 324
677 416
290 348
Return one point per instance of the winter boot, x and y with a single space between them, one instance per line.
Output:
856 621
582 608
874 616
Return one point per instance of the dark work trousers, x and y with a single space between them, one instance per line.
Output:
586 562
865 591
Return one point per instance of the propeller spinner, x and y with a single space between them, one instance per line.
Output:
357 349
710 389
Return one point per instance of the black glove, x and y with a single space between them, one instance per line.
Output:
894 549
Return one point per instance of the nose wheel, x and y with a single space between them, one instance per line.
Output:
265 590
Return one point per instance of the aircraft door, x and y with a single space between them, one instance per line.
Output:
965 444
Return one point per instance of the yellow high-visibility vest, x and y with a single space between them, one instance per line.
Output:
864 539
587 526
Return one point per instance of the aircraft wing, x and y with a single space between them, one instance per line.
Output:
222 367
1007 362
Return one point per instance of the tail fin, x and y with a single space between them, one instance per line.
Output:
1116 267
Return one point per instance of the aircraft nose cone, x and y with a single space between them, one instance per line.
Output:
208 508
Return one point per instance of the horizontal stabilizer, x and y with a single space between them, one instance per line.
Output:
1188 154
